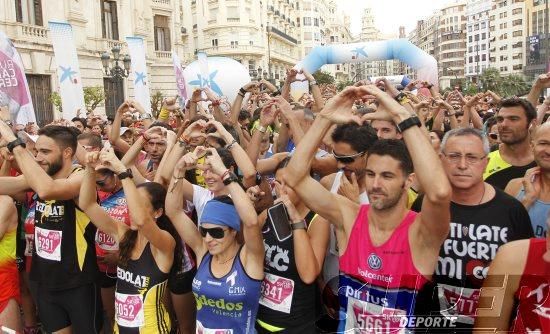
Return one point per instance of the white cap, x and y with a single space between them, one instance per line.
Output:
124 129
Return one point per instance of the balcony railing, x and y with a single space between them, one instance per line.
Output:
161 2
284 35
163 54
233 19
235 50
27 31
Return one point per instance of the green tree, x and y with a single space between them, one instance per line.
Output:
323 77
156 102
93 96
491 79
514 85
55 99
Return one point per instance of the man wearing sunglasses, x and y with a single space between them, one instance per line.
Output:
386 252
483 218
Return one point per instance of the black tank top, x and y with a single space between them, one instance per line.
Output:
64 253
286 301
140 288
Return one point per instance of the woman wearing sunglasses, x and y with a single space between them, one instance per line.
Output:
227 283
147 247
112 200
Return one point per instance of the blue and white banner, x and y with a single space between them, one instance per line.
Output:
14 90
68 71
136 49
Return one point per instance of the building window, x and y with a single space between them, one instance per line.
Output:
307 21
215 42
40 89
234 44
516 22
29 12
109 20
233 13
516 11
517 33
316 22
162 33
483 57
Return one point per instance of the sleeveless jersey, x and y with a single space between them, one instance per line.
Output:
538 212
378 284
331 264
117 208
140 288
9 275
499 172
63 256
227 304
533 294
286 301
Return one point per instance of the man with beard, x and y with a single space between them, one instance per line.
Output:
513 157
387 253
64 268
483 218
533 190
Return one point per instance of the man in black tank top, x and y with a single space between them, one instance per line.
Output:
64 266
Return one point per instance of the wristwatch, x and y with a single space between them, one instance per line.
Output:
408 123
301 225
231 177
126 174
312 83
13 144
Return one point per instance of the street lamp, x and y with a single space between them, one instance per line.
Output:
115 72
259 72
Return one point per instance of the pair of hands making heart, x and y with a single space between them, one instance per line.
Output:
212 162
203 129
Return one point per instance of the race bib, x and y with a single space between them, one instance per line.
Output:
29 244
129 310
365 317
277 293
202 330
105 241
48 243
458 302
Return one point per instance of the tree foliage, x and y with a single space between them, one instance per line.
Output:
508 85
323 77
93 97
343 84
156 102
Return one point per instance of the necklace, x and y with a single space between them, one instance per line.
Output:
481 199
227 260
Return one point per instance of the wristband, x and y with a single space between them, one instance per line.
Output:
242 90
225 173
313 83
183 139
230 146
300 225
15 143
408 123
126 174
215 103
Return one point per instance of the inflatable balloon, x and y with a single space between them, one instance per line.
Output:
401 49
395 80
225 76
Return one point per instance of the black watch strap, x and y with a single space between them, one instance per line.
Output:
408 123
126 174
230 178
13 144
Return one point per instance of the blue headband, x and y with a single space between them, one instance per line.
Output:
219 213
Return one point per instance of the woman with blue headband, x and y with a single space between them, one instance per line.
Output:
229 275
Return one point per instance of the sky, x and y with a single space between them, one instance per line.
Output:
390 14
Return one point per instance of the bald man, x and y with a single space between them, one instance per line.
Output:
533 190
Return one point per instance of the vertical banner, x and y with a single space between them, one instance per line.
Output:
68 71
136 49
14 90
180 79
203 65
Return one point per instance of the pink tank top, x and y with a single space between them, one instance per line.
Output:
378 284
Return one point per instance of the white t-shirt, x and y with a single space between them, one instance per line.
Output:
200 197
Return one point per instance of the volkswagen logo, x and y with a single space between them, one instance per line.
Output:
374 261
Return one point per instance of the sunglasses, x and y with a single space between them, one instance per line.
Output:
493 135
347 159
215 232
102 183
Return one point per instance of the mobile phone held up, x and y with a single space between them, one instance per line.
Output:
280 222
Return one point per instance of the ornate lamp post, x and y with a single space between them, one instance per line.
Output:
114 71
